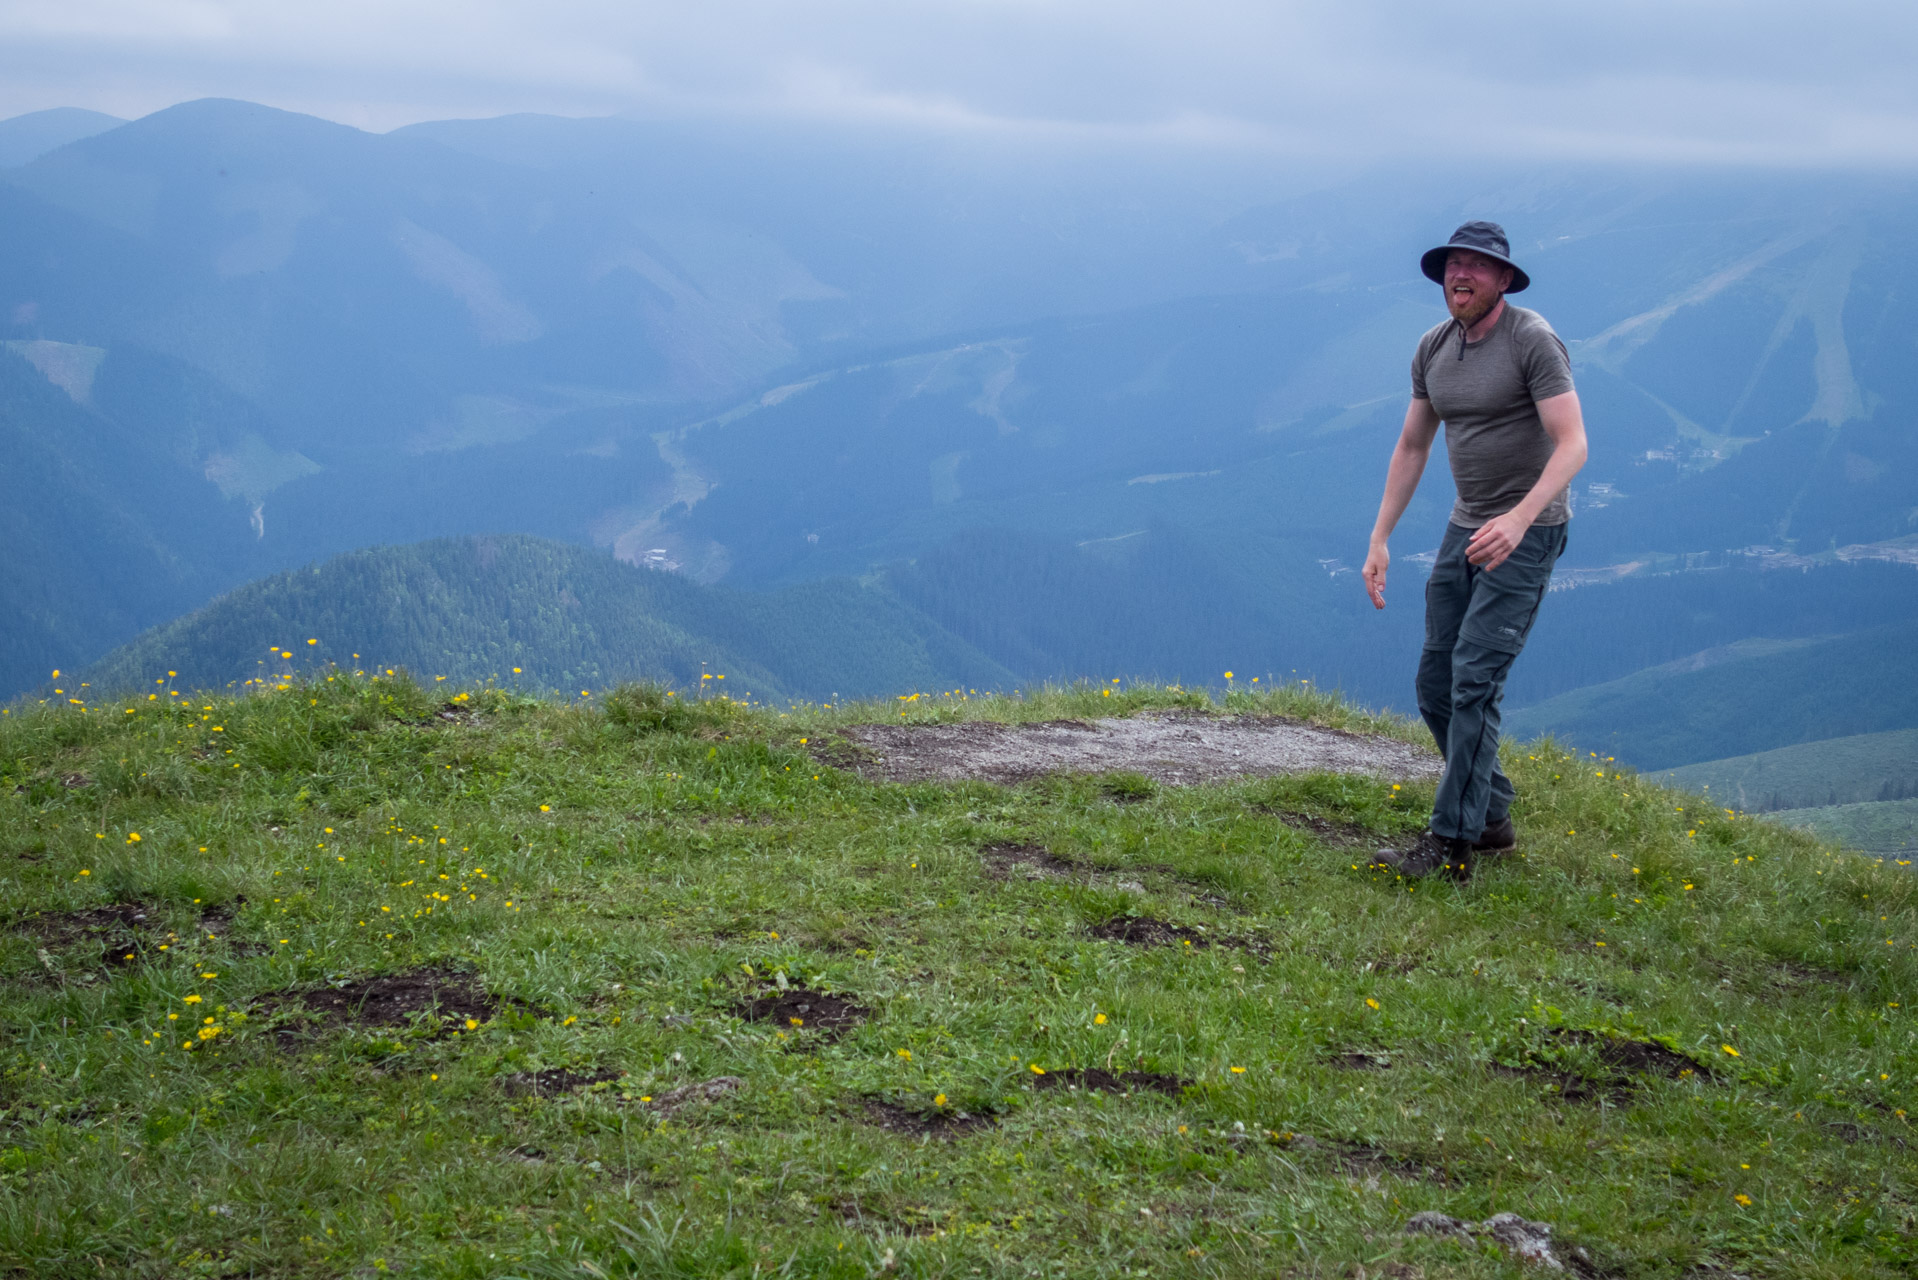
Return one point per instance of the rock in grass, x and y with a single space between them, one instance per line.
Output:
1524 1239
1434 1223
704 1091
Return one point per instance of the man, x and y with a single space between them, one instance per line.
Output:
1501 382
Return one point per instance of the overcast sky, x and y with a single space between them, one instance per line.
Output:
1688 81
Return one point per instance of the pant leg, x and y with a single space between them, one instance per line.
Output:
1499 611
1474 790
1447 593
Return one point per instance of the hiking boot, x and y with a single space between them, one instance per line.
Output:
1427 855
1497 838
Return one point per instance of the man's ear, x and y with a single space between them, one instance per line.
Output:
1505 280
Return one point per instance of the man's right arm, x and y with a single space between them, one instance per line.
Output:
1401 482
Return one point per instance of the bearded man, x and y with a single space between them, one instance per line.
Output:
1500 381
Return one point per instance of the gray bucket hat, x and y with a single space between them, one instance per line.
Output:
1487 238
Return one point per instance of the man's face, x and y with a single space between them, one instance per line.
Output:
1473 285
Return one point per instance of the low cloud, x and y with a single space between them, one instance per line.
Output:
1684 81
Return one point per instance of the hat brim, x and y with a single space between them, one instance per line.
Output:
1433 265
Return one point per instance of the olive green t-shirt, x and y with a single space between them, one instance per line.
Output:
1487 392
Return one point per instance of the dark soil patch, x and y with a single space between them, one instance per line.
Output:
1624 1062
841 939
75 781
553 1080
1027 861
1360 1060
216 920
924 1124
1144 931
1793 973
1569 1086
1638 1057
1848 1132
1095 1080
798 1009
119 932
456 712
392 1000
1361 1159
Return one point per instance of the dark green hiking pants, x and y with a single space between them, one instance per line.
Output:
1475 624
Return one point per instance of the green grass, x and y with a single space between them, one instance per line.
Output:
628 876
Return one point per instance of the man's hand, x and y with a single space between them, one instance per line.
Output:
1401 480
1496 540
1375 562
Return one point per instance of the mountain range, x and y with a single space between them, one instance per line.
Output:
1078 417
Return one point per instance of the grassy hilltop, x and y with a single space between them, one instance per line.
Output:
705 1005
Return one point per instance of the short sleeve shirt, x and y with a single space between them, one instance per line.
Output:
1487 393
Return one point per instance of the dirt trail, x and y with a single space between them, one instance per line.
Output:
1175 748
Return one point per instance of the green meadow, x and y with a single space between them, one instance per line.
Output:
353 976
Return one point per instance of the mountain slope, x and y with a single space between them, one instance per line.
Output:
1838 771
1888 828
28 137
827 1025
566 617
106 520
1756 694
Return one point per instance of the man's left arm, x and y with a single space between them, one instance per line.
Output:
1564 423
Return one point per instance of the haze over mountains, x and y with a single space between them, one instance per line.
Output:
1095 416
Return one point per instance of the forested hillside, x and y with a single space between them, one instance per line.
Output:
1756 693
1865 768
545 615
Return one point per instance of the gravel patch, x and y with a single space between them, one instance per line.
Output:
1176 748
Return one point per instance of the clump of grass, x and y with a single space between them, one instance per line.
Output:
622 875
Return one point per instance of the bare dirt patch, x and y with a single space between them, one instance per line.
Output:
391 1000
1173 748
1095 1080
1638 1057
118 934
1145 931
924 1124
1363 1160
1007 861
217 921
798 1009
1621 1067
553 1080
1569 1086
